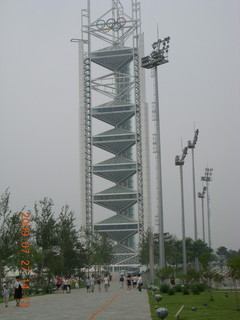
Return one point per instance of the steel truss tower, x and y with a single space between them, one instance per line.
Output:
116 97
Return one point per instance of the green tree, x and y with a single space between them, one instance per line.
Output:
44 231
222 253
10 236
37 258
68 238
165 273
199 247
207 273
191 277
102 250
144 258
234 272
233 253
195 249
82 258
173 249
99 249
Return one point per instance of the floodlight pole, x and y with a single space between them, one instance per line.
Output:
158 56
207 178
159 173
201 196
191 145
180 162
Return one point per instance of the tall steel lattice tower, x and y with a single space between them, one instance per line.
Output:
114 96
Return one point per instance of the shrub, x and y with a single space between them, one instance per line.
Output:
202 287
171 291
178 288
197 288
48 289
37 290
185 291
164 288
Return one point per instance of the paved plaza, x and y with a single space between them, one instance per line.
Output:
116 304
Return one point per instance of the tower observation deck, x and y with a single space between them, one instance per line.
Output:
114 123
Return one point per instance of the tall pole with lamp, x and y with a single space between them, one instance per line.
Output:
180 162
208 178
191 145
201 196
158 56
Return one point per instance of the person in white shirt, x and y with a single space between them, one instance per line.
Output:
5 294
134 281
92 283
106 282
64 285
139 283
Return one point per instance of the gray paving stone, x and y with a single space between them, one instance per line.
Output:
116 304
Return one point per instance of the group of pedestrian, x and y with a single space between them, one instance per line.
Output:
132 282
63 285
18 292
91 281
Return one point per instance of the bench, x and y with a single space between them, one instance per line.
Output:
179 311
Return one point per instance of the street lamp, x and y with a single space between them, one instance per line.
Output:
191 145
158 57
201 196
180 162
207 178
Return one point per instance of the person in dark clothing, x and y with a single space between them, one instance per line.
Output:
18 291
121 281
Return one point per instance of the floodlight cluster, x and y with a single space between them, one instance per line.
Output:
159 54
191 145
208 174
201 195
180 161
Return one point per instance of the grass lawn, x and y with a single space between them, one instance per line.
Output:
221 308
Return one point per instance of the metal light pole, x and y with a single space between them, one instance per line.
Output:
158 57
180 162
151 255
207 178
201 196
191 145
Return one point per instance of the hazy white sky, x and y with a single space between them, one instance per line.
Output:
198 87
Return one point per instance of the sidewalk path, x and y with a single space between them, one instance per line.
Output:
116 304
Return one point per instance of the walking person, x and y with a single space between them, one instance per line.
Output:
88 284
59 284
65 287
129 282
6 293
121 280
99 283
139 283
69 282
134 281
106 282
18 291
76 284
92 283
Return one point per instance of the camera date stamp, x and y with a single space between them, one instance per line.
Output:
25 253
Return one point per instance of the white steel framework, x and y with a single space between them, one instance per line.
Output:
126 143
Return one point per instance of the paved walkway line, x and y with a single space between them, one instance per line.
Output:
105 306
29 300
